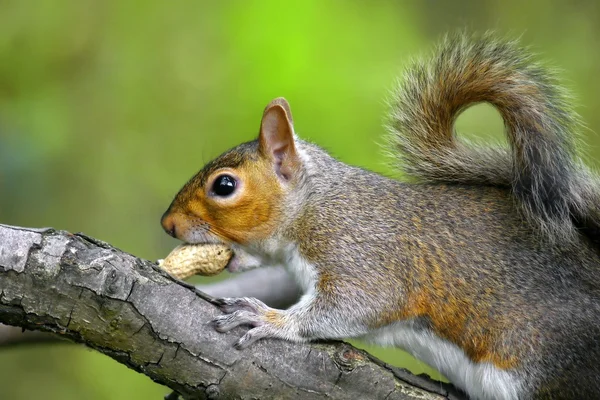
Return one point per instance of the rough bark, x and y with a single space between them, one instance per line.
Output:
89 292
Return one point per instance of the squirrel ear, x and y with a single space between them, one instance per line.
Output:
276 139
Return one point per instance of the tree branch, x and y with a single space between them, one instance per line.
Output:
89 292
13 336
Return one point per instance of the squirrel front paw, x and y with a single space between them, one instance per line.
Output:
267 322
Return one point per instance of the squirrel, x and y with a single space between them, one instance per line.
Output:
485 264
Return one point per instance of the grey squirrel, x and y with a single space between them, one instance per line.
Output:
487 267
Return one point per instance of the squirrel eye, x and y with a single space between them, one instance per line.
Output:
224 185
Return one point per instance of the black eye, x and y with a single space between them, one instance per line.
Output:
224 185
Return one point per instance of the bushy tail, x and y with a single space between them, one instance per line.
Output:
553 188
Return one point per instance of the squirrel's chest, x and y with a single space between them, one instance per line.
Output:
276 253
483 381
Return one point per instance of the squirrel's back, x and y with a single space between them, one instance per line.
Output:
456 260
553 188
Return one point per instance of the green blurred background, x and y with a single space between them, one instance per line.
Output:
107 107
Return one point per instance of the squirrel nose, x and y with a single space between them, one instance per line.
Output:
168 223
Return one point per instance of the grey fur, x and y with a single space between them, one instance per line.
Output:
541 166
547 294
379 239
449 257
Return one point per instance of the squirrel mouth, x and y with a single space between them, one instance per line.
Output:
202 236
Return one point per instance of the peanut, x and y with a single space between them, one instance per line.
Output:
190 259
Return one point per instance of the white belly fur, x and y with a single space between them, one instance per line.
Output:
481 381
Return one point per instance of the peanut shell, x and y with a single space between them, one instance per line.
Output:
202 259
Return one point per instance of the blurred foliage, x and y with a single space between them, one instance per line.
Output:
108 107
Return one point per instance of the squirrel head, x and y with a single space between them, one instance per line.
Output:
240 196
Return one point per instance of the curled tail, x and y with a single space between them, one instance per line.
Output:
552 187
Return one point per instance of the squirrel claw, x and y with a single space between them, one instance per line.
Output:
231 304
244 311
227 322
251 336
